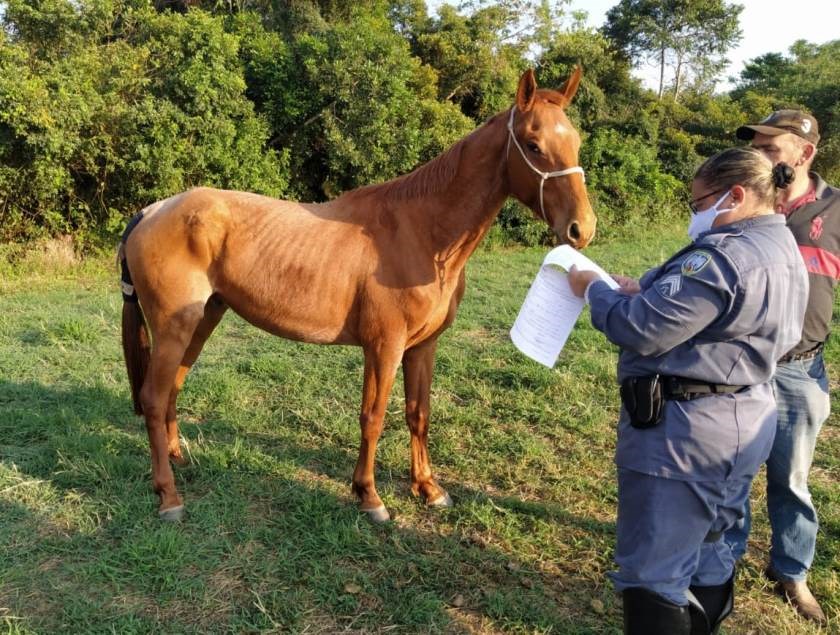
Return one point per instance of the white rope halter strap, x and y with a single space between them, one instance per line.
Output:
543 175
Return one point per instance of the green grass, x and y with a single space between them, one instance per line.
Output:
272 541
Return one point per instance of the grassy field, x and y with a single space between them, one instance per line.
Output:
272 541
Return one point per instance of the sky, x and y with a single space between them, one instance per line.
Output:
769 26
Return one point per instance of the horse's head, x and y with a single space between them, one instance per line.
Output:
543 162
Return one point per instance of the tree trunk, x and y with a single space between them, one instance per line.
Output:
678 77
661 71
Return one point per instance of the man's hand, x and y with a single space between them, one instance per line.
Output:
627 286
579 280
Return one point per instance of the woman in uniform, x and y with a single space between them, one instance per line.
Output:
699 338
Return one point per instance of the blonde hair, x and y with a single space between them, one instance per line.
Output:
747 167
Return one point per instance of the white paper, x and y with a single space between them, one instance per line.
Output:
550 310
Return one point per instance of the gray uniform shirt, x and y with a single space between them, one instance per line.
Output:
721 310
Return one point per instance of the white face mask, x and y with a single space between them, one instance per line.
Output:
702 221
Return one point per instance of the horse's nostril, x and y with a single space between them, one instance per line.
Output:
573 232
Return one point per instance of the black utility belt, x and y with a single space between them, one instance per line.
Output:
644 397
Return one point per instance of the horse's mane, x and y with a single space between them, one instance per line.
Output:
429 177
437 174
433 176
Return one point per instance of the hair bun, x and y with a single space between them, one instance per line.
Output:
782 175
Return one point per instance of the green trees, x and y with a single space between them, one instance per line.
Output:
105 108
809 78
107 105
689 35
350 102
477 61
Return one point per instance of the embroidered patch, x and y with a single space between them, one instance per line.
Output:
816 228
694 262
806 126
670 285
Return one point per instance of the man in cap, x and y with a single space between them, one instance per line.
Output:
812 209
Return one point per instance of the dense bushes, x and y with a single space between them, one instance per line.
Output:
115 110
809 77
107 105
350 102
626 179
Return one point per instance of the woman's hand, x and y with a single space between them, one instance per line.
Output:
579 280
627 286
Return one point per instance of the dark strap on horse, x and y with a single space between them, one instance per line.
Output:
131 225
128 292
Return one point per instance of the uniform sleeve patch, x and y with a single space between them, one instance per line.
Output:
669 286
695 262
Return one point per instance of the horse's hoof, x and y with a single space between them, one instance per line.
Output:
173 514
178 460
378 514
441 501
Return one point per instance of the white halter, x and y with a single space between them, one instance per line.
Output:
543 175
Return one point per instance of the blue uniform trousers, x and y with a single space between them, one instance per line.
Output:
662 526
686 481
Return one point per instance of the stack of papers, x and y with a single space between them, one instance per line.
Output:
550 310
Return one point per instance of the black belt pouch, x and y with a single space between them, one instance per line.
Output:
642 399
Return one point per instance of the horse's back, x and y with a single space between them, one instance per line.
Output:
289 268
198 225
312 272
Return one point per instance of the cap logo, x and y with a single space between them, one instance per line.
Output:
806 126
767 118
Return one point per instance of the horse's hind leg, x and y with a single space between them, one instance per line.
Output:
172 334
418 363
213 312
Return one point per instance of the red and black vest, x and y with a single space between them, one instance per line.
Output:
816 228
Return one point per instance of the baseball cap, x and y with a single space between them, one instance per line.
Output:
795 122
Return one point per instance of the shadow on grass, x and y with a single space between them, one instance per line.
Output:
272 539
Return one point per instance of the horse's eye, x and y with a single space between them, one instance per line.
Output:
533 147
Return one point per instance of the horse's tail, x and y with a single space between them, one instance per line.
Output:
135 335
136 349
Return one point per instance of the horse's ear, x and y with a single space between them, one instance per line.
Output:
527 91
570 86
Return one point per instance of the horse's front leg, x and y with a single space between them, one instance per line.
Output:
418 364
381 363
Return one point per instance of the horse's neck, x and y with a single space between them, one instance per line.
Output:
464 212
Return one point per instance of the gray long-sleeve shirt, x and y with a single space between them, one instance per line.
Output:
721 310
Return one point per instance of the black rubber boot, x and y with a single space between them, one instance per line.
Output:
648 613
717 602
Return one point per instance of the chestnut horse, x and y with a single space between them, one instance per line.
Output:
381 267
